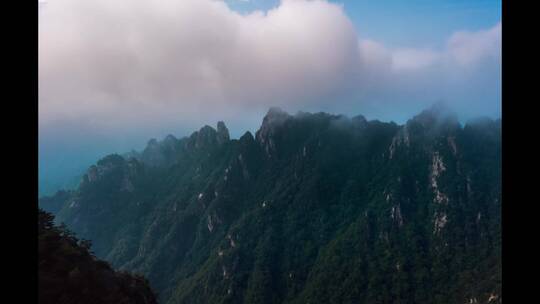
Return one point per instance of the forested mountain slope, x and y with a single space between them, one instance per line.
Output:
315 208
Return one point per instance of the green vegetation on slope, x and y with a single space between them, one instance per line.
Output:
314 208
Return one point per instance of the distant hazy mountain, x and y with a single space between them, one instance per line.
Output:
49 186
314 208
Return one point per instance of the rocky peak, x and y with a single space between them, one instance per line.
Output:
359 119
155 152
275 116
152 143
169 140
111 160
436 121
103 167
436 116
272 120
222 132
209 137
205 137
247 137
131 154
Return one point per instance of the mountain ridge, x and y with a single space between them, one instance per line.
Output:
288 209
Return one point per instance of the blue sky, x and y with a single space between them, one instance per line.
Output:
405 23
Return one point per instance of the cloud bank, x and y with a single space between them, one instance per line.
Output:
139 64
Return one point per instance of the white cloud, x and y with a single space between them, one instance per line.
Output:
148 63
101 59
468 48
397 83
463 48
413 59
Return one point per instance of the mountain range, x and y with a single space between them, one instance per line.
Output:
312 208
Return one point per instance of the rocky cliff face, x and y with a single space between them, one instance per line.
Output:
314 208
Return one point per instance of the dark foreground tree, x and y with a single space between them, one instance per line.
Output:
70 273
